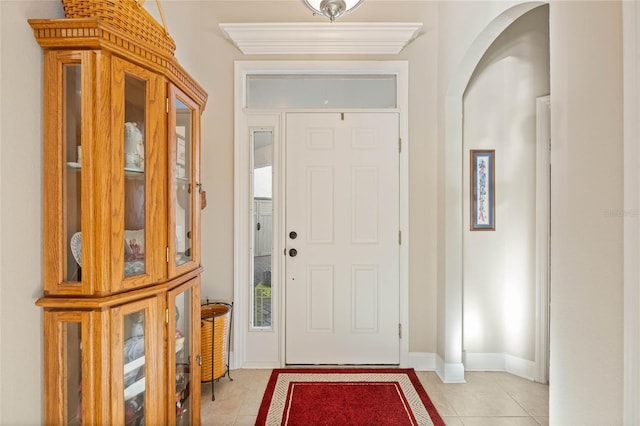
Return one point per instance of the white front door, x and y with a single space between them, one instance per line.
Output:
342 238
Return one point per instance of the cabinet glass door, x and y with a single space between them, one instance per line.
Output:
72 120
184 175
134 172
136 366
183 205
183 370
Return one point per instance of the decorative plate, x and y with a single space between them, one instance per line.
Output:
76 247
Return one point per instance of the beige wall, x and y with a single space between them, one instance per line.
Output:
587 184
212 66
21 226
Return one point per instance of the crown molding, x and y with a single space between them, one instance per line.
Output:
338 38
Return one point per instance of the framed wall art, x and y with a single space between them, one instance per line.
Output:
482 190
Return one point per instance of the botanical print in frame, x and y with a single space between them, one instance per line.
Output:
482 190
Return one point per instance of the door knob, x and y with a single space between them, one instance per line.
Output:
293 252
293 235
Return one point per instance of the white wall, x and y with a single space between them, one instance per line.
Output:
499 266
586 370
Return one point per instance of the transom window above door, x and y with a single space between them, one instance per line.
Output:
321 91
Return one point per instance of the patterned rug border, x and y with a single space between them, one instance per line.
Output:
409 372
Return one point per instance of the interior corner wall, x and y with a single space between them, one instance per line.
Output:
21 220
586 335
499 266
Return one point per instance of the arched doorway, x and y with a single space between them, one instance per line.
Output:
450 349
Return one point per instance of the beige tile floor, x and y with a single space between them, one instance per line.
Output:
487 399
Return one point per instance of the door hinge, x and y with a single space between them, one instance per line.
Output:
167 254
342 116
167 105
399 144
400 331
166 315
400 237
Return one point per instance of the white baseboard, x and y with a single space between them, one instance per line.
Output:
499 362
520 367
449 372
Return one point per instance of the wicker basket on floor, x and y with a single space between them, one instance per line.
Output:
214 334
128 16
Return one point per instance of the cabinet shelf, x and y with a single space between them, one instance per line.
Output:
135 389
78 166
133 170
133 365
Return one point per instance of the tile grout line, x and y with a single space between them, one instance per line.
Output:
521 406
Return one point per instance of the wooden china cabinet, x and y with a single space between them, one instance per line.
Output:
122 201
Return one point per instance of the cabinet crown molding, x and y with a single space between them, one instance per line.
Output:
95 34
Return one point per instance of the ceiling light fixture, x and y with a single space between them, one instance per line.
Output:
332 9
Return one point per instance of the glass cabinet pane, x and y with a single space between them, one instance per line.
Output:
134 172
72 125
183 377
134 368
183 207
73 337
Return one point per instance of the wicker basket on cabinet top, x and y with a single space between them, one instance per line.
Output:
128 16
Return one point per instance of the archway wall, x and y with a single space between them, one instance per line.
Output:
499 267
459 53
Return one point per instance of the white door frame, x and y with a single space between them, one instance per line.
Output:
242 206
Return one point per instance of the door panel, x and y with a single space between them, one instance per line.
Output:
342 279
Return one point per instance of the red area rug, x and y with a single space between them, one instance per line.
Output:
357 396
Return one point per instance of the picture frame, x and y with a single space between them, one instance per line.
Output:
482 190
